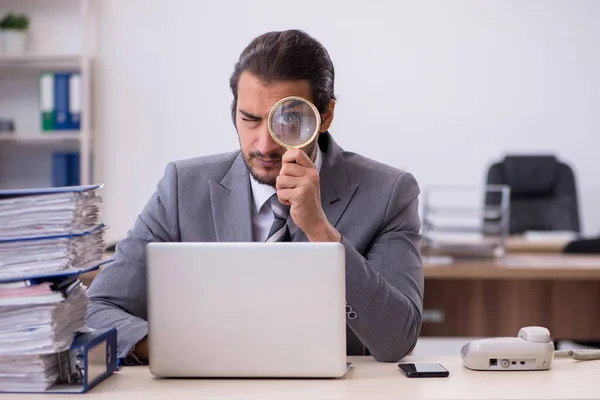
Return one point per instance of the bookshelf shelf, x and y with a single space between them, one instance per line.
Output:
40 61
40 138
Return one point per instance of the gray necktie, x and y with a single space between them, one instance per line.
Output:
279 230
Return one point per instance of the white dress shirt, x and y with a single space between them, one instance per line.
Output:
262 215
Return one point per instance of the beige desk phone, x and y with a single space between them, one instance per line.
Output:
532 349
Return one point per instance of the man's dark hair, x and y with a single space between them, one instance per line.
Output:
287 56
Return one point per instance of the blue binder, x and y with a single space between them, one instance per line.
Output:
60 169
75 101
74 170
65 169
57 236
63 273
96 354
61 101
47 190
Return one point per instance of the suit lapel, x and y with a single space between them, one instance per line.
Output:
231 202
336 190
335 203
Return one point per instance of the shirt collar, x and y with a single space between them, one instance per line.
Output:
262 193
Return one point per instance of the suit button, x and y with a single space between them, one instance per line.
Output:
352 315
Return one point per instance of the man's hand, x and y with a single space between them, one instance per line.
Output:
298 185
141 350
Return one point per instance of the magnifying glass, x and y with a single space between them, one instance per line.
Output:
294 122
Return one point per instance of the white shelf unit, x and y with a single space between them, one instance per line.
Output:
61 39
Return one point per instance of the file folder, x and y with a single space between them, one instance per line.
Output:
60 169
74 170
65 169
67 227
61 101
70 235
47 109
65 273
47 190
96 355
75 104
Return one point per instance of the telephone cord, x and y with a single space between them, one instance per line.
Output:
581 355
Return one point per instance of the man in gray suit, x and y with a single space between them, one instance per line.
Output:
331 196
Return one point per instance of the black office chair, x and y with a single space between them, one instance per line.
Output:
543 194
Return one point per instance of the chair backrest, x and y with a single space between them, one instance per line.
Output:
543 194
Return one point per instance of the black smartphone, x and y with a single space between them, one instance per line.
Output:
423 370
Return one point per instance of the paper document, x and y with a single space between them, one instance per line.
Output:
47 238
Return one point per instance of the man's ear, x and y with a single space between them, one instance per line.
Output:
327 117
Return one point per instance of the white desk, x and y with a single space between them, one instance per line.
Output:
367 379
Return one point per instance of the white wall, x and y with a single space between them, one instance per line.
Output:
439 88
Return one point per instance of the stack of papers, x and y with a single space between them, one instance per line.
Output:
48 214
47 238
38 324
50 231
33 256
33 373
41 323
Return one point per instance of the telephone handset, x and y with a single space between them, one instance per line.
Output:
532 349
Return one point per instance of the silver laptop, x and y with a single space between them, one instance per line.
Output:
246 309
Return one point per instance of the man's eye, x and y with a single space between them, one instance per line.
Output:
289 118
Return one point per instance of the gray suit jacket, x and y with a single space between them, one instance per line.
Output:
208 199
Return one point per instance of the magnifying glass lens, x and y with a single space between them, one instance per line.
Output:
294 122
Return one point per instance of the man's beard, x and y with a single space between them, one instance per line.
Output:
264 180
268 180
